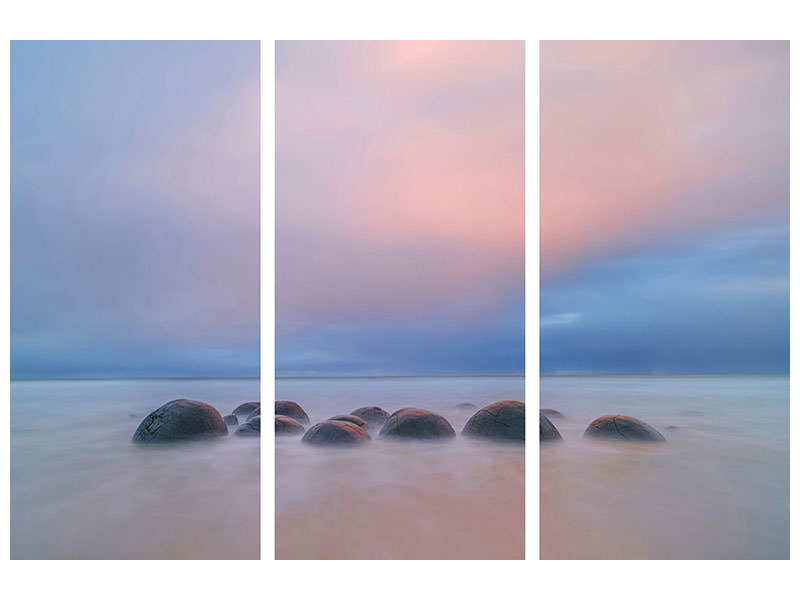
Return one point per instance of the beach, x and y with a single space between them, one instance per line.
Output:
456 499
718 489
80 489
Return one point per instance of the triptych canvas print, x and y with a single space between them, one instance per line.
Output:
138 218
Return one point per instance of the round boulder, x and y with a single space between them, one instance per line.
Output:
287 426
547 431
351 419
244 410
418 424
335 433
180 420
621 427
291 409
250 428
230 420
499 421
465 405
375 416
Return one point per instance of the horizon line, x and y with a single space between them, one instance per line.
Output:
121 378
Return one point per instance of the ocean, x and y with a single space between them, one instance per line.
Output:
458 499
718 489
80 489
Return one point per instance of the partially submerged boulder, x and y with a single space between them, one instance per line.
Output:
287 426
621 427
551 413
466 405
287 408
415 423
351 419
254 414
180 420
244 410
547 431
335 433
250 428
375 416
230 420
499 421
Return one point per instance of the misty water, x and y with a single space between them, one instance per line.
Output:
455 499
80 489
718 489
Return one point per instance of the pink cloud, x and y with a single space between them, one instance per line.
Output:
400 175
641 140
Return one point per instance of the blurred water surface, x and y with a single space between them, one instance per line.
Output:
400 500
80 489
719 489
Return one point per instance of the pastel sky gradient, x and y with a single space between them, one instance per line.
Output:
134 209
400 208
664 207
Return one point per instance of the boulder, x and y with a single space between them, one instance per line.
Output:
250 428
351 419
287 426
547 431
180 420
417 424
466 405
621 427
375 416
254 414
244 410
551 414
291 409
499 421
230 420
334 433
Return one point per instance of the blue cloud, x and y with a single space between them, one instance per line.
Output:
712 304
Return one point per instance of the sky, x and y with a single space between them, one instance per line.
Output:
134 209
399 208
664 209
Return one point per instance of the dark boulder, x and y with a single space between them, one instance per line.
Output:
287 426
499 421
230 420
287 408
547 431
244 410
334 433
551 414
250 428
254 414
466 405
180 420
620 427
351 419
417 424
375 416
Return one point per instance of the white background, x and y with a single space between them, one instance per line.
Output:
410 19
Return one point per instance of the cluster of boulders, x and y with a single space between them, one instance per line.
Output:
609 427
182 419
504 421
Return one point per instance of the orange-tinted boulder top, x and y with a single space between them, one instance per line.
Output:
417 424
287 408
332 433
499 421
622 427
